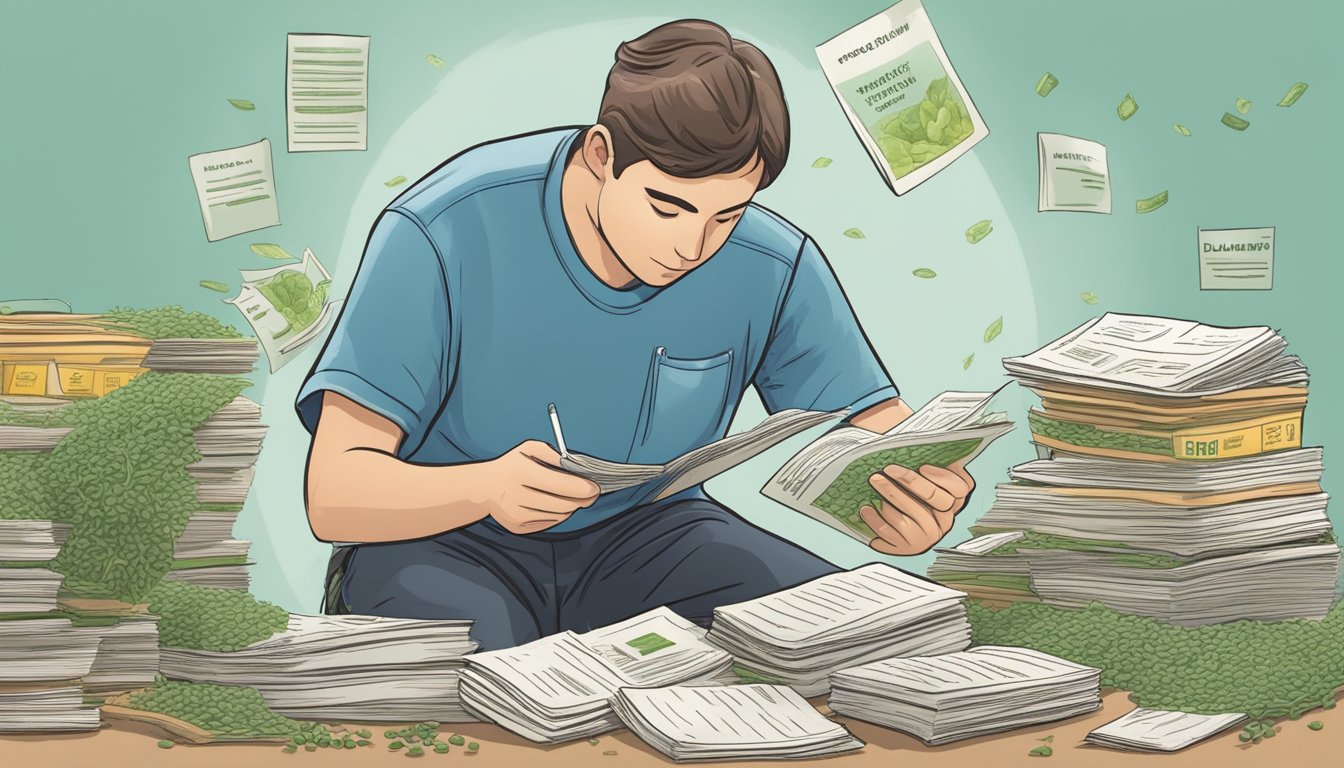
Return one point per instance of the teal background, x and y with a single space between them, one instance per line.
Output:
104 101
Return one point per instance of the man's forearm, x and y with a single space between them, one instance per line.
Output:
882 416
366 495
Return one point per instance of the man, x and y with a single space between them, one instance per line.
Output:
622 272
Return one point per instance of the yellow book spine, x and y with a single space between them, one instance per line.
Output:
25 379
1246 438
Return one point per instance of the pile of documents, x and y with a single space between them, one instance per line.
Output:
560 687
955 696
731 722
41 663
1158 730
344 668
27 547
206 554
988 567
1172 480
128 653
799 636
222 356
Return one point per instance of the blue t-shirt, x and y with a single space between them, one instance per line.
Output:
472 310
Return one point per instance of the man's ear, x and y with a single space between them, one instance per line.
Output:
596 151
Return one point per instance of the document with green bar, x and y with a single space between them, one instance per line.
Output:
327 92
236 189
1074 174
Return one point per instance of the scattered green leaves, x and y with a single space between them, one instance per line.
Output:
1128 106
1046 84
1148 204
979 231
1315 725
435 61
854 232
821 162
1234 122
242 104
270 251
1243 105
1181 129
1089 297
967 362
925 273
394 181
215 285
1294 93
994 329
1041 751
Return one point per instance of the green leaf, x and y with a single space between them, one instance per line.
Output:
394 181
243 104
215 285
270 251
1048 739
435 60
1181 129
1128 106
925 273
292 295
821 162
979 231
967 362
854 232
937 92
1243 106
1041 751
994 329
1089 297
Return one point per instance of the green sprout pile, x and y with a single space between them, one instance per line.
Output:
208 619
422 738
1094 437
843 498
1267 670
167 323
119 479
224 711
919 133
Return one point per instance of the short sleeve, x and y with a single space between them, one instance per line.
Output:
817 357
389 350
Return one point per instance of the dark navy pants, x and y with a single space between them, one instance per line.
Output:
690 555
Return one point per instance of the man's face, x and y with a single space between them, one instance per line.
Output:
662 227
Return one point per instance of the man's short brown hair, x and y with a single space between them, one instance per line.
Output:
694 101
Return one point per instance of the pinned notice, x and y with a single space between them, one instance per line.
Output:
1236 259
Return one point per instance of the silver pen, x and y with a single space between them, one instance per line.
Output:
555 425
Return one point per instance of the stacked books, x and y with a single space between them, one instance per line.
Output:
344 668
731 722
799 636
560 687
202 355
1172 480
987 689
128 653
27 547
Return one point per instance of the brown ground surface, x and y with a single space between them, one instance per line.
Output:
1295 746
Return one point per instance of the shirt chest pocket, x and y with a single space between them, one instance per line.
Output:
684 403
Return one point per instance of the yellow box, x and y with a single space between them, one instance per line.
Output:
1247 438
105 381
25 379
75 380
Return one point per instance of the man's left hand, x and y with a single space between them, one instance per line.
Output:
917 508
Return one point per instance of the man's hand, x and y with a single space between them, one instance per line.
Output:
917 507
526 491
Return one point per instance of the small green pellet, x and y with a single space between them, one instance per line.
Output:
1314 725
395 745
440 748
592 742
299 739
1041 751
456 740
309 747
363 742
473 746
323 741
610 753
1245 735
415 752
389 734
364 733
165 744
431 724
290 749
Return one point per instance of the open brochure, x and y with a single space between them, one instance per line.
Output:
828 480
697 466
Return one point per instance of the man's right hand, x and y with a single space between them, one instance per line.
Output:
526 490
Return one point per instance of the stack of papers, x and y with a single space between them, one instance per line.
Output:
344 668
39 439
800 635
41 662
990 688
986 568
559 687
1160 731
731 722
222 356
128 654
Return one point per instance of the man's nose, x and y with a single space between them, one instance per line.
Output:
693 249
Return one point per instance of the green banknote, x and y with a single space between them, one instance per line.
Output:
1294 93
1046 84
1234 122
1151 203
851 490
1128 106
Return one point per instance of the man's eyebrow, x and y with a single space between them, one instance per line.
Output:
677 201
666 198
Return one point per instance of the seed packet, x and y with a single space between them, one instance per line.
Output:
897 87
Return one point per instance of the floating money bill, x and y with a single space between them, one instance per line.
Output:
994 329
1234 122
1151 203
1046 84
1181 129
1089 297
854 232
435 60
821 162
286 306
215 285
1243 105
925 273
242 104
978 231
270 251
394 181
967 362
1128 106
1294 93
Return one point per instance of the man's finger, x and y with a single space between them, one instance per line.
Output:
558 482
948 480
920 487
539 451
918 525
895 495
538 501
885 532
